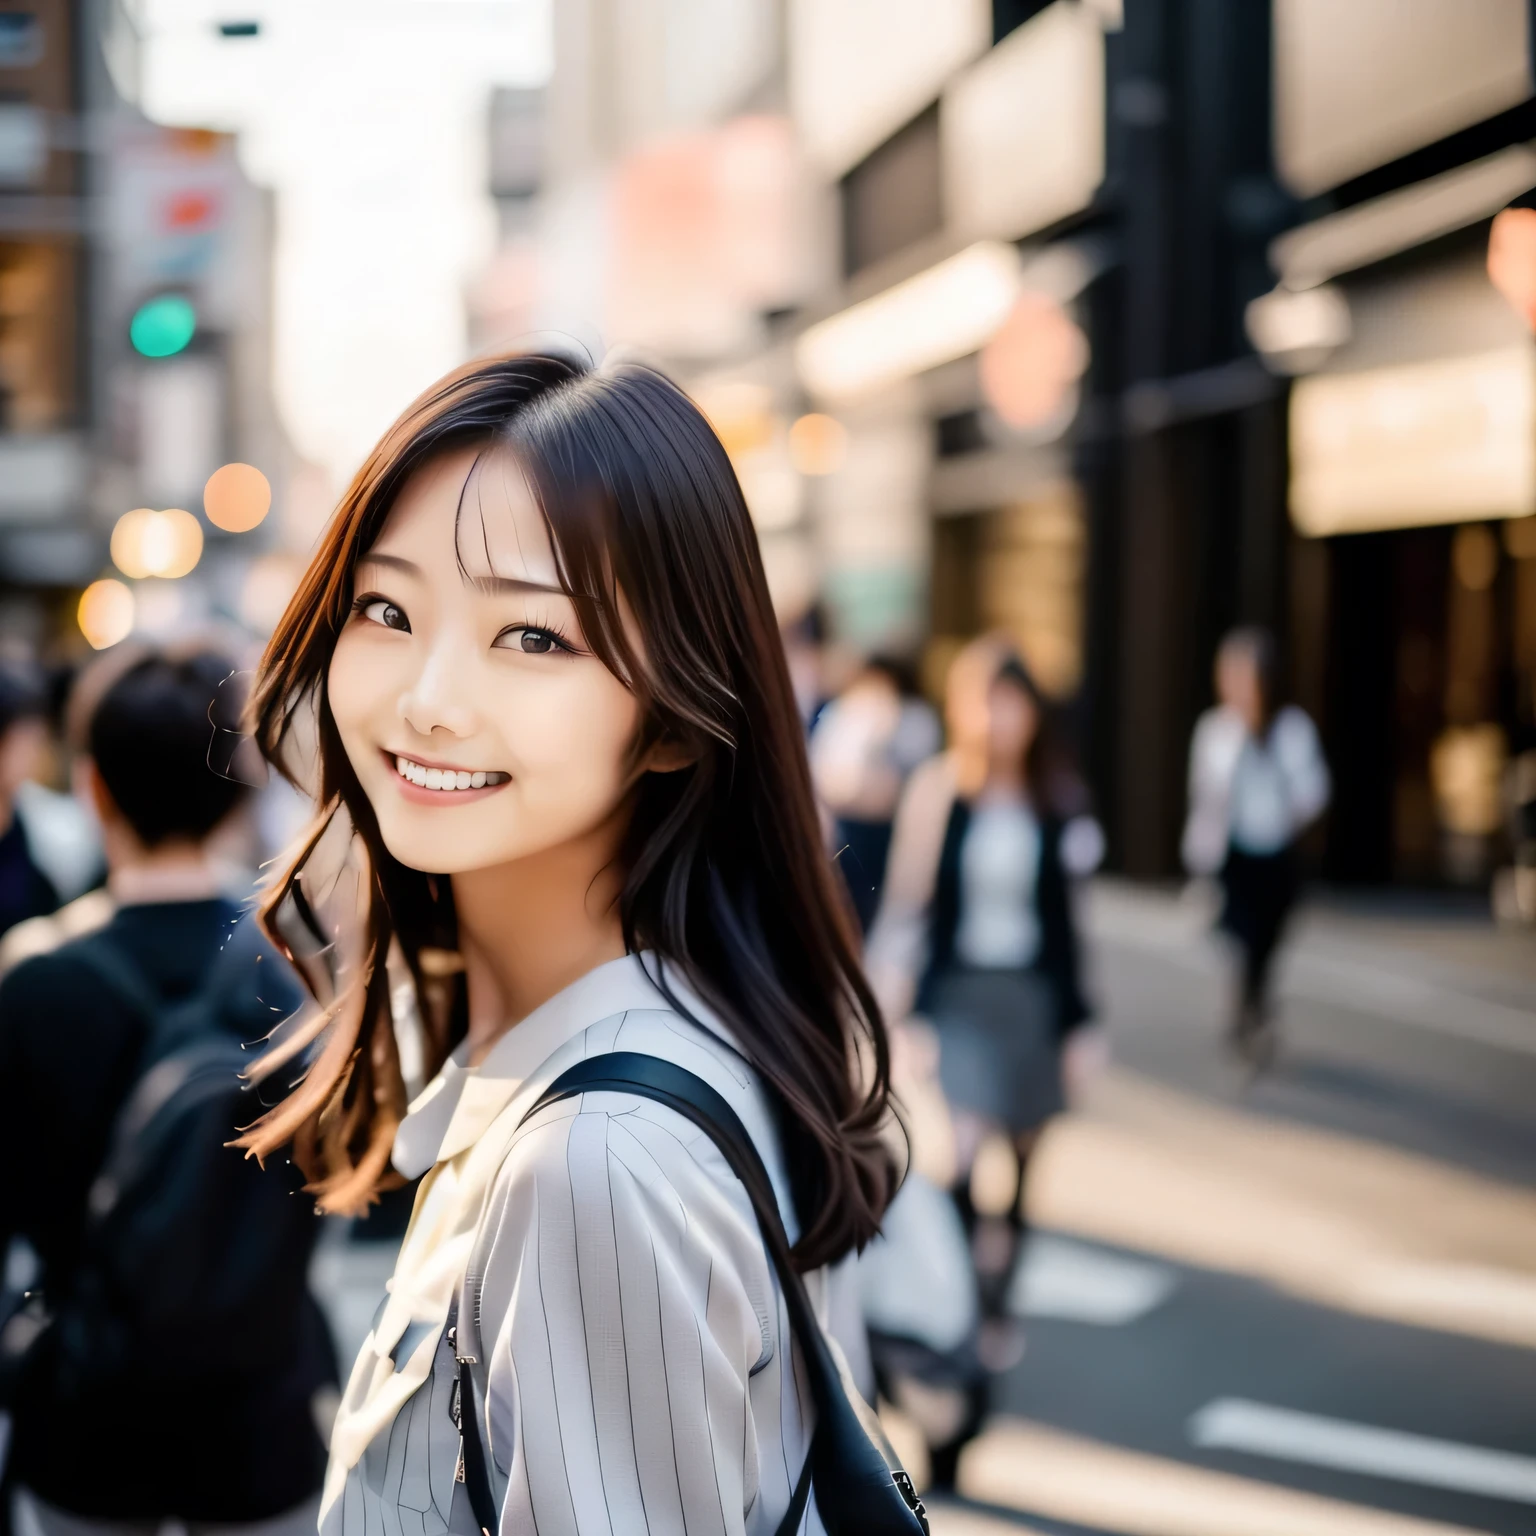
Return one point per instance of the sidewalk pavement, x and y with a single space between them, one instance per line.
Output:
1441 968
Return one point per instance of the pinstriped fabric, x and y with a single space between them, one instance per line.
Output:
640 1379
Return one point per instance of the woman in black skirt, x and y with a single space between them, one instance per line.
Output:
976 935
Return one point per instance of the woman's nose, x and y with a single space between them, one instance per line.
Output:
438 699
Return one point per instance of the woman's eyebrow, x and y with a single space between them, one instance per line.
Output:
485 583
394 562
513 584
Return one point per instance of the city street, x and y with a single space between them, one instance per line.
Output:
1245 1299
1302 1306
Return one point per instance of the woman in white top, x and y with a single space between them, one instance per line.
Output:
556 731
1257 780
976 933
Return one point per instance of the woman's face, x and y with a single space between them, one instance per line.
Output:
1238 686
1012 721
479 724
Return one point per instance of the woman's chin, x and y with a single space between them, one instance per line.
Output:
442 851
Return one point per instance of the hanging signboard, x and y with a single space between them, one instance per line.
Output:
1444 441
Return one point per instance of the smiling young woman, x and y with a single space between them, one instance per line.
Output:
554 712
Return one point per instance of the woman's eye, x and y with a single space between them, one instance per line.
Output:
387 614
529 640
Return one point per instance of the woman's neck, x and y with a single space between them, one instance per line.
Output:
530 928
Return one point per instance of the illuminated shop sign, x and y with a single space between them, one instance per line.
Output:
1446 441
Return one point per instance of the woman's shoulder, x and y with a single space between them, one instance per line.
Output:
611 1184
1294 724
655 1145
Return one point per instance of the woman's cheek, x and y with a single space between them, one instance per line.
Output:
586 730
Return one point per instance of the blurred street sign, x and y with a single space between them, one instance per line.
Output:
708 230
173 218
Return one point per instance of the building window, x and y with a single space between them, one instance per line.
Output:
894 196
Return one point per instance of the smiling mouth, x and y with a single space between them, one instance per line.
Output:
448 780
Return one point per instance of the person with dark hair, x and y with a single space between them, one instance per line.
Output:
1257 780
25 891
111 1432
976 935
866 742
557 732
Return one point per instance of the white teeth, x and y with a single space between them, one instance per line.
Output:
446 779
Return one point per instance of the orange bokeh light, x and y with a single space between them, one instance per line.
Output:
1033 360
105 614
237 497
1512 260
817 444
150 543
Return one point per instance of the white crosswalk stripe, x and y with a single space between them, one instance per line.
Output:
1060 1278
1283 1433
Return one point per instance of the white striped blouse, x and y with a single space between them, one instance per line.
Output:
641 1376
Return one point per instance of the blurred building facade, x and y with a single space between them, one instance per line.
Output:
1405 315
135 324
1109 325
52 82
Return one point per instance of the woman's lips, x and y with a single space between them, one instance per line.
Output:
439 784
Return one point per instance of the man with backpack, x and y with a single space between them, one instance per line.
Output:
172 1360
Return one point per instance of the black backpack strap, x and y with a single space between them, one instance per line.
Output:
476 1475
857 1488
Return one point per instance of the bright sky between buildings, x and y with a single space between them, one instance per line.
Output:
367 118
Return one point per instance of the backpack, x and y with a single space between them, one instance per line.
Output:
861 1488
194 1258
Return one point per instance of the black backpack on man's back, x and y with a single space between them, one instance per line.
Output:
193 1262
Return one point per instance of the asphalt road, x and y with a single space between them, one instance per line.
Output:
1303 1304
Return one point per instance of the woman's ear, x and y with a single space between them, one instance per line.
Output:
669 755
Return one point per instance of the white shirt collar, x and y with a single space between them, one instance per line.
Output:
457 1106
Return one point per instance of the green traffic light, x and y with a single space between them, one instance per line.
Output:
163 326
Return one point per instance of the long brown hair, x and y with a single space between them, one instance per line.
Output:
725 876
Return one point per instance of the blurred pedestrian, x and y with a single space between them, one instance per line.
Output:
1257 780
172 1372
61 830
976 934
25 891
866 743
805 652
